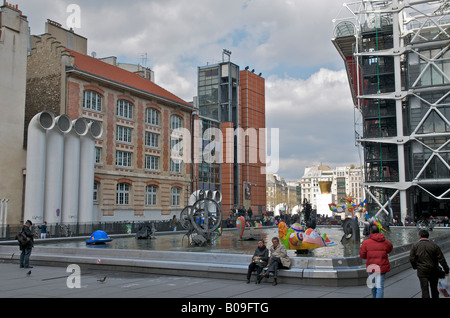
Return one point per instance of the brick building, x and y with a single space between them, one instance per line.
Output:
136 176
230 100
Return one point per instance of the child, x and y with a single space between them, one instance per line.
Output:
43 229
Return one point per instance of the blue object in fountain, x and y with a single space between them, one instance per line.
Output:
98 237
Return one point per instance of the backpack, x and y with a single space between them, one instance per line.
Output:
22 238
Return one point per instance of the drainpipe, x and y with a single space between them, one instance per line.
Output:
71 171
36 156
87 165
54 169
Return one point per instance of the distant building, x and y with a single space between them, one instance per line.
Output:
136 176
339 183
13 69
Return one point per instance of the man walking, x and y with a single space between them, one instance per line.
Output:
26 247
425 256
375 251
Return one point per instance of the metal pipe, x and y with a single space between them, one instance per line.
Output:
54 169
87 165
35 167
71 171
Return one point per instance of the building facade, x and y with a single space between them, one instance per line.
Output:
13 63
137 175
229 129
398 64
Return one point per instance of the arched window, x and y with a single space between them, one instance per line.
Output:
124 109
92 100
152 116
175 196
151 193
176 122
123 194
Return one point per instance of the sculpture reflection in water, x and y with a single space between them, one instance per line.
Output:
202 218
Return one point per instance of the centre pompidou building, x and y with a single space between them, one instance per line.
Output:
397 58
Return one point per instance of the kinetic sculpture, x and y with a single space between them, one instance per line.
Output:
294 238
350 224
240 224
202 217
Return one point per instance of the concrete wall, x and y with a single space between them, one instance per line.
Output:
13 62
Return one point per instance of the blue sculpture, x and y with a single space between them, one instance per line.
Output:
98 237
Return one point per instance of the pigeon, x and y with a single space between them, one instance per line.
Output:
29 273
102 279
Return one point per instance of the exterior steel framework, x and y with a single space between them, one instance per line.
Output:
397 59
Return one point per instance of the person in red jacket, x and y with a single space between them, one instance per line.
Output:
375 251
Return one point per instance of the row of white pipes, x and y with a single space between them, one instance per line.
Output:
60 169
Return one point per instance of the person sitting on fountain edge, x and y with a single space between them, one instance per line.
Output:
278 259
259 261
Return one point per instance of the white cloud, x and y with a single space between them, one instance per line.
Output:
307 94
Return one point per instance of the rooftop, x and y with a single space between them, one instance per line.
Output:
93 66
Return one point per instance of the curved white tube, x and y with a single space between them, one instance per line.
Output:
87 165
36 157
71 171
54 169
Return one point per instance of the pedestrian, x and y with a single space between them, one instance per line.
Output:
375 250
26 247
259 261
425 257
43 229
278 259
250 212
173 223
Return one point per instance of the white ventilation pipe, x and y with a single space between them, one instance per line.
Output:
87 165
196 195
36 157
71 171
54 169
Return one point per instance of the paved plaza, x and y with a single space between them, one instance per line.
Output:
52 282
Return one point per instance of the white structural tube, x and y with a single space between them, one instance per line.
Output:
87 165
36 157
71 171
54 169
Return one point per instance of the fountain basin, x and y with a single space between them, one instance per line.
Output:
305 270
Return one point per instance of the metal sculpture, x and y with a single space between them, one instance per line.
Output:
202 218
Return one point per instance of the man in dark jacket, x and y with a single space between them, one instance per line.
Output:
375 251
425 256
27 247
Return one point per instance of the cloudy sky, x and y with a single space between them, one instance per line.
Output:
288 41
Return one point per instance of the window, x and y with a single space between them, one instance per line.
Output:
175 196
98 154
175 165
123 158
175 122
151 163
123 194
152 116
123 134
92 100
124 109
95 193
150 195
151 139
